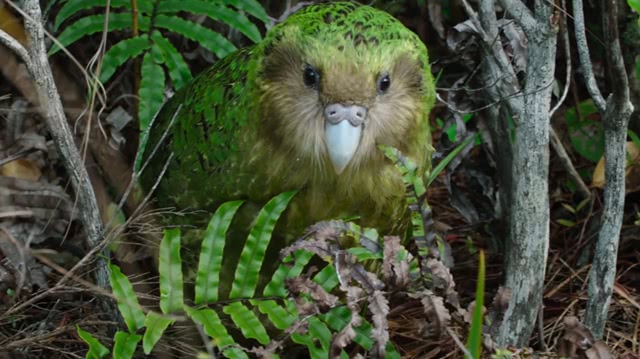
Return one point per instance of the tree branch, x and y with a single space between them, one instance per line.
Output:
616 120
35 59
585 59
518 11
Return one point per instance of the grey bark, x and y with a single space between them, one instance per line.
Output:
529 217
616 114
528 208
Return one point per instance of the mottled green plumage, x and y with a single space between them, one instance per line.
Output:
249 127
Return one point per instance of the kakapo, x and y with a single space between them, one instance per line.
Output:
305 109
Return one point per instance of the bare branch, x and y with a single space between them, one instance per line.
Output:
518 11
585 59
556 143
35 59
616 120
16 47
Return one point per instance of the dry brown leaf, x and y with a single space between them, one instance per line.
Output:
578 342
632 172
379 307
21 168
438 316
322 298
394 269
599 351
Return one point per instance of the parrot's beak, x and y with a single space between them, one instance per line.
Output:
342 131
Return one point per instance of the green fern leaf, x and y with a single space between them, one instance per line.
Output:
281 317
248 270
337 318
211 40
155 325
90 25
212 325
151 90
275 287
120 53
125 296
96 349
230 17
73 7
170 269
318 333
125 344
210 262
178 68
247 321
327 278
251 7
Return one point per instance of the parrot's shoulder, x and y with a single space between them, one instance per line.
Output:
205 116
201 127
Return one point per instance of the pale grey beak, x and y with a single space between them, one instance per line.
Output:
342 131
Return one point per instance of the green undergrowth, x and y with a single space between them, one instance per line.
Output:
338 310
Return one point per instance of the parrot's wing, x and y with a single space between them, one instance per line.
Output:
200 128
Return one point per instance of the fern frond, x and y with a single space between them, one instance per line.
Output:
96 349
327 278
281 317
120 53
151 91
252 256
178 68
92 24
155 325
276 286
230 17
251 7
247 321
126 298
72 7
337 318
125 344
170 269
212 325
211 254
210 40
318 332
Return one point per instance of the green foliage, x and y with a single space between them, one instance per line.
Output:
635 5
170 269
585 131
445 161
293 304
153 45
125 345
475 334
155 325
96 349
247 272
126 298
210 262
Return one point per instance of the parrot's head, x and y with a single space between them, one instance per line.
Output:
336 80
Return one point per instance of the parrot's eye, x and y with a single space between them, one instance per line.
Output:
383 84
311 77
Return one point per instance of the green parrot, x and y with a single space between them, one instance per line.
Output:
305 110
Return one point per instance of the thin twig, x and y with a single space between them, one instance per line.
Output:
562 154
585 59
459 343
